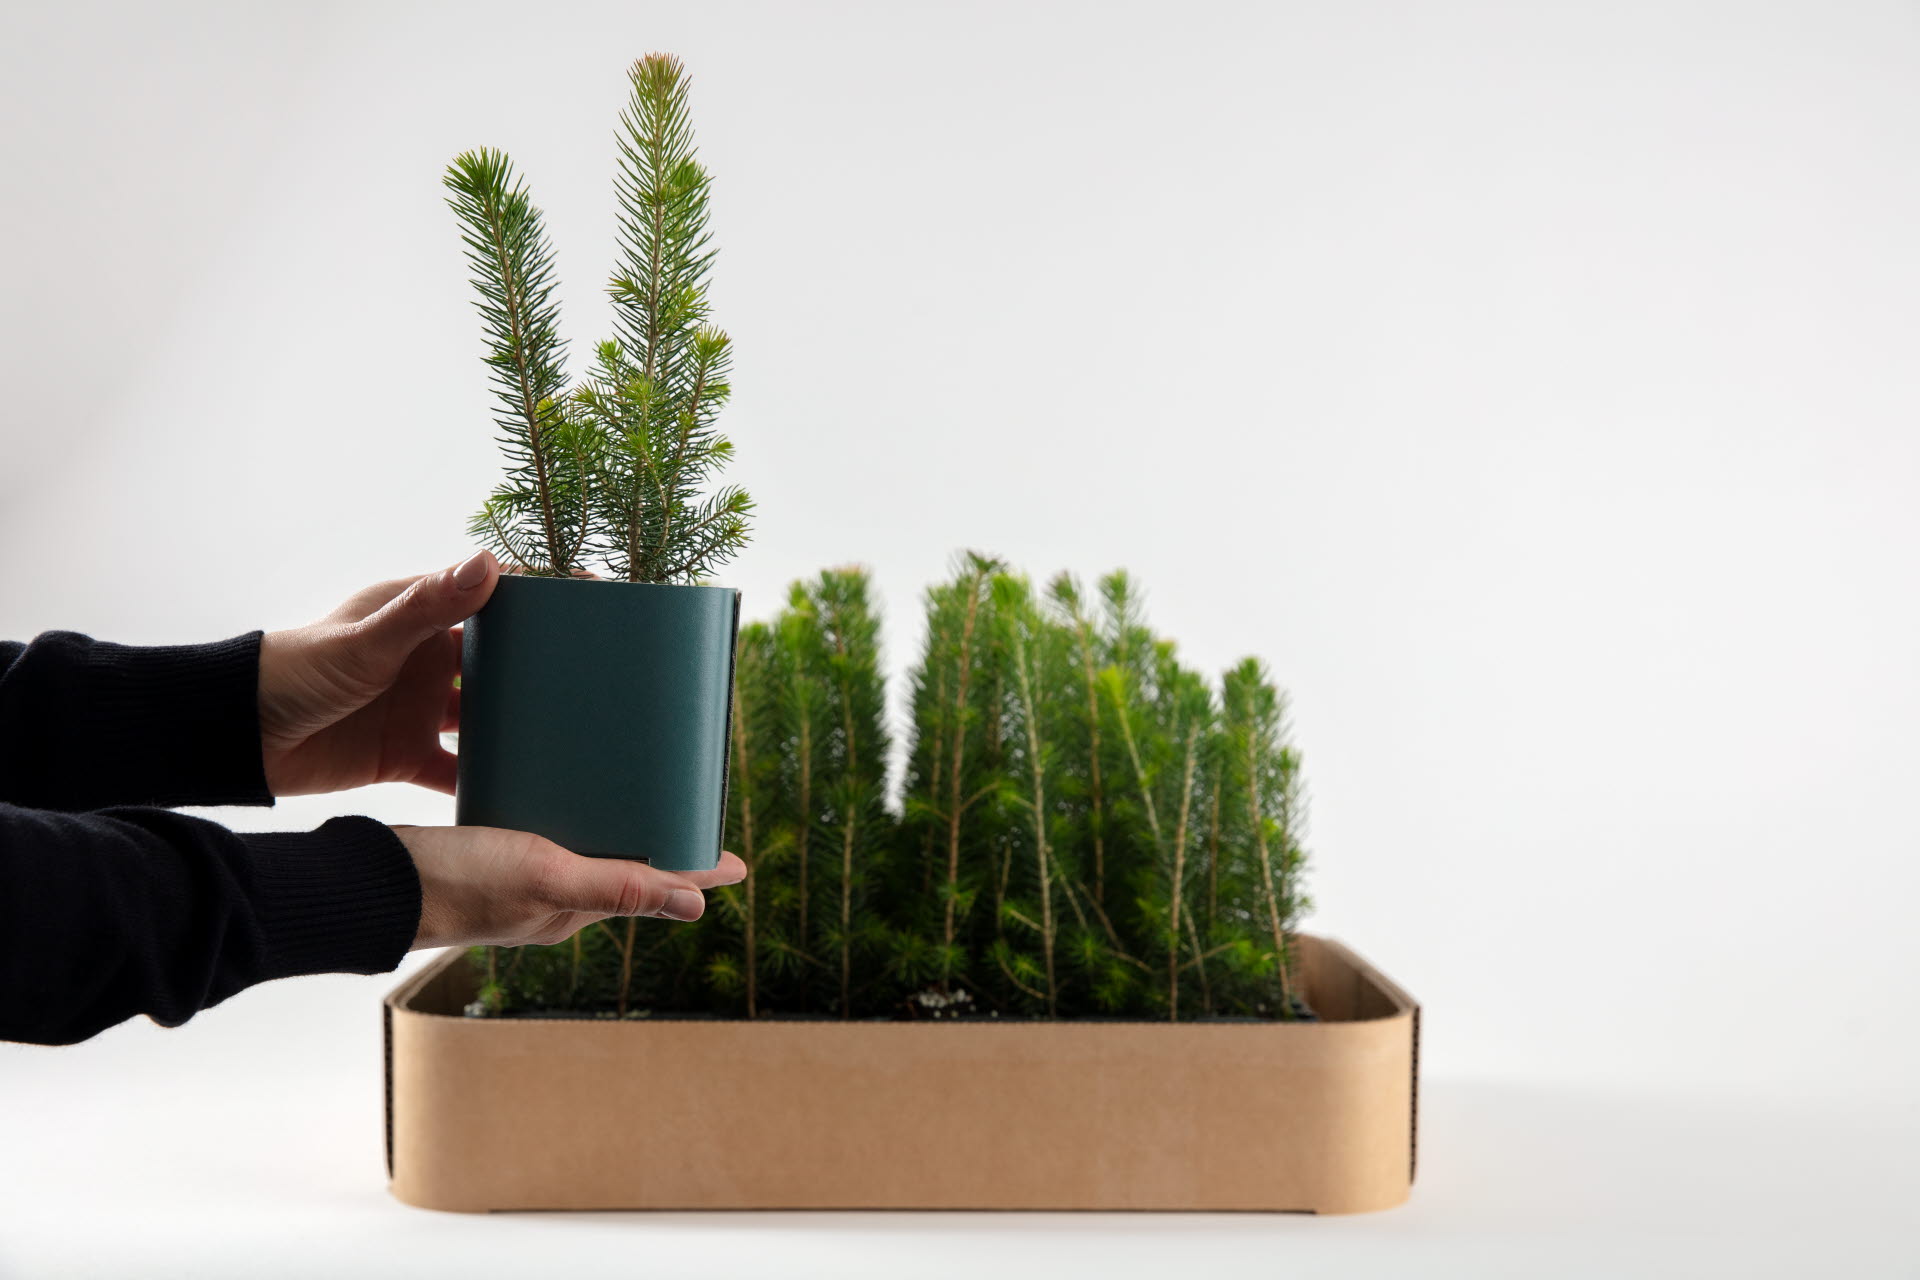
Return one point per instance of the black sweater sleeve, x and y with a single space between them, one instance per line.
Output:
85 724
128 911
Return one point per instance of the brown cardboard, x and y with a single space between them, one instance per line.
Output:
511 1113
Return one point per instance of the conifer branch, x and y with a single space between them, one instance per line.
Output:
512 264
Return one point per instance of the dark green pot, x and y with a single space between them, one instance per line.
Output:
598 714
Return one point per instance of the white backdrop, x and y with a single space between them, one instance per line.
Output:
1532 385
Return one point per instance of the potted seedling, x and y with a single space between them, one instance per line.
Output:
595 712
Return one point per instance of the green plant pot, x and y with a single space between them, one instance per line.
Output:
598 714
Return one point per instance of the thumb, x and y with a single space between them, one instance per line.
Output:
433 603
618 887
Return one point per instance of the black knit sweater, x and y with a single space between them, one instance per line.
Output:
110 905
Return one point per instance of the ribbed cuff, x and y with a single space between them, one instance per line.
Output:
179 723
341 899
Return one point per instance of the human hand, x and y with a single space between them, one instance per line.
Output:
364 694
507 888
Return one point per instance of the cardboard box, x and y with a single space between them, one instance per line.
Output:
689 1113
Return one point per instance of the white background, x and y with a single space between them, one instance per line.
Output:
1533 386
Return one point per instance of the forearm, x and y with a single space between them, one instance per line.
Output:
108 915
85 724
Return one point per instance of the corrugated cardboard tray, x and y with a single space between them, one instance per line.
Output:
689 1113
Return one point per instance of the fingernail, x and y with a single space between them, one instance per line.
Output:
683 904
472 571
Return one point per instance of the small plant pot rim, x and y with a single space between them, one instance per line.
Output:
643 1113
598 714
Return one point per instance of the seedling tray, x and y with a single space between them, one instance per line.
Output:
545 1113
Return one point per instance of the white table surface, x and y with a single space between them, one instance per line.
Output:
248 1144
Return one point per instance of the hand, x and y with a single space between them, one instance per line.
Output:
364 694
483 885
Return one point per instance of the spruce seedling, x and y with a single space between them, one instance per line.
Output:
850 649
613 472
803 698
1065 593
1267 772
751 663
1024 635
971 590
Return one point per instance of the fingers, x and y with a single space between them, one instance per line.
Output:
450 714
424 608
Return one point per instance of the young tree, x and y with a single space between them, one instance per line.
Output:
849 650
1161 728
1263 769
950 779
618 466
752 775
1088 659
1028 648
802 697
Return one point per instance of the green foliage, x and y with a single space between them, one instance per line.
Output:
614 471
1087 827
538 517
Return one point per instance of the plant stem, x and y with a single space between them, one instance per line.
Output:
1213 853
1139 774
1030 713
1266 875
851 821
928 847
626 963
953 790
744 771
1179 876
1097 817
846 920
806 815
1199 963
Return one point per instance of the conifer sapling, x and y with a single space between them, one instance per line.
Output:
614 471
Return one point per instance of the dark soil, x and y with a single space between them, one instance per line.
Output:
1301 1013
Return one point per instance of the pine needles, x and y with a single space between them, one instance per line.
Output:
1088 826
615 471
